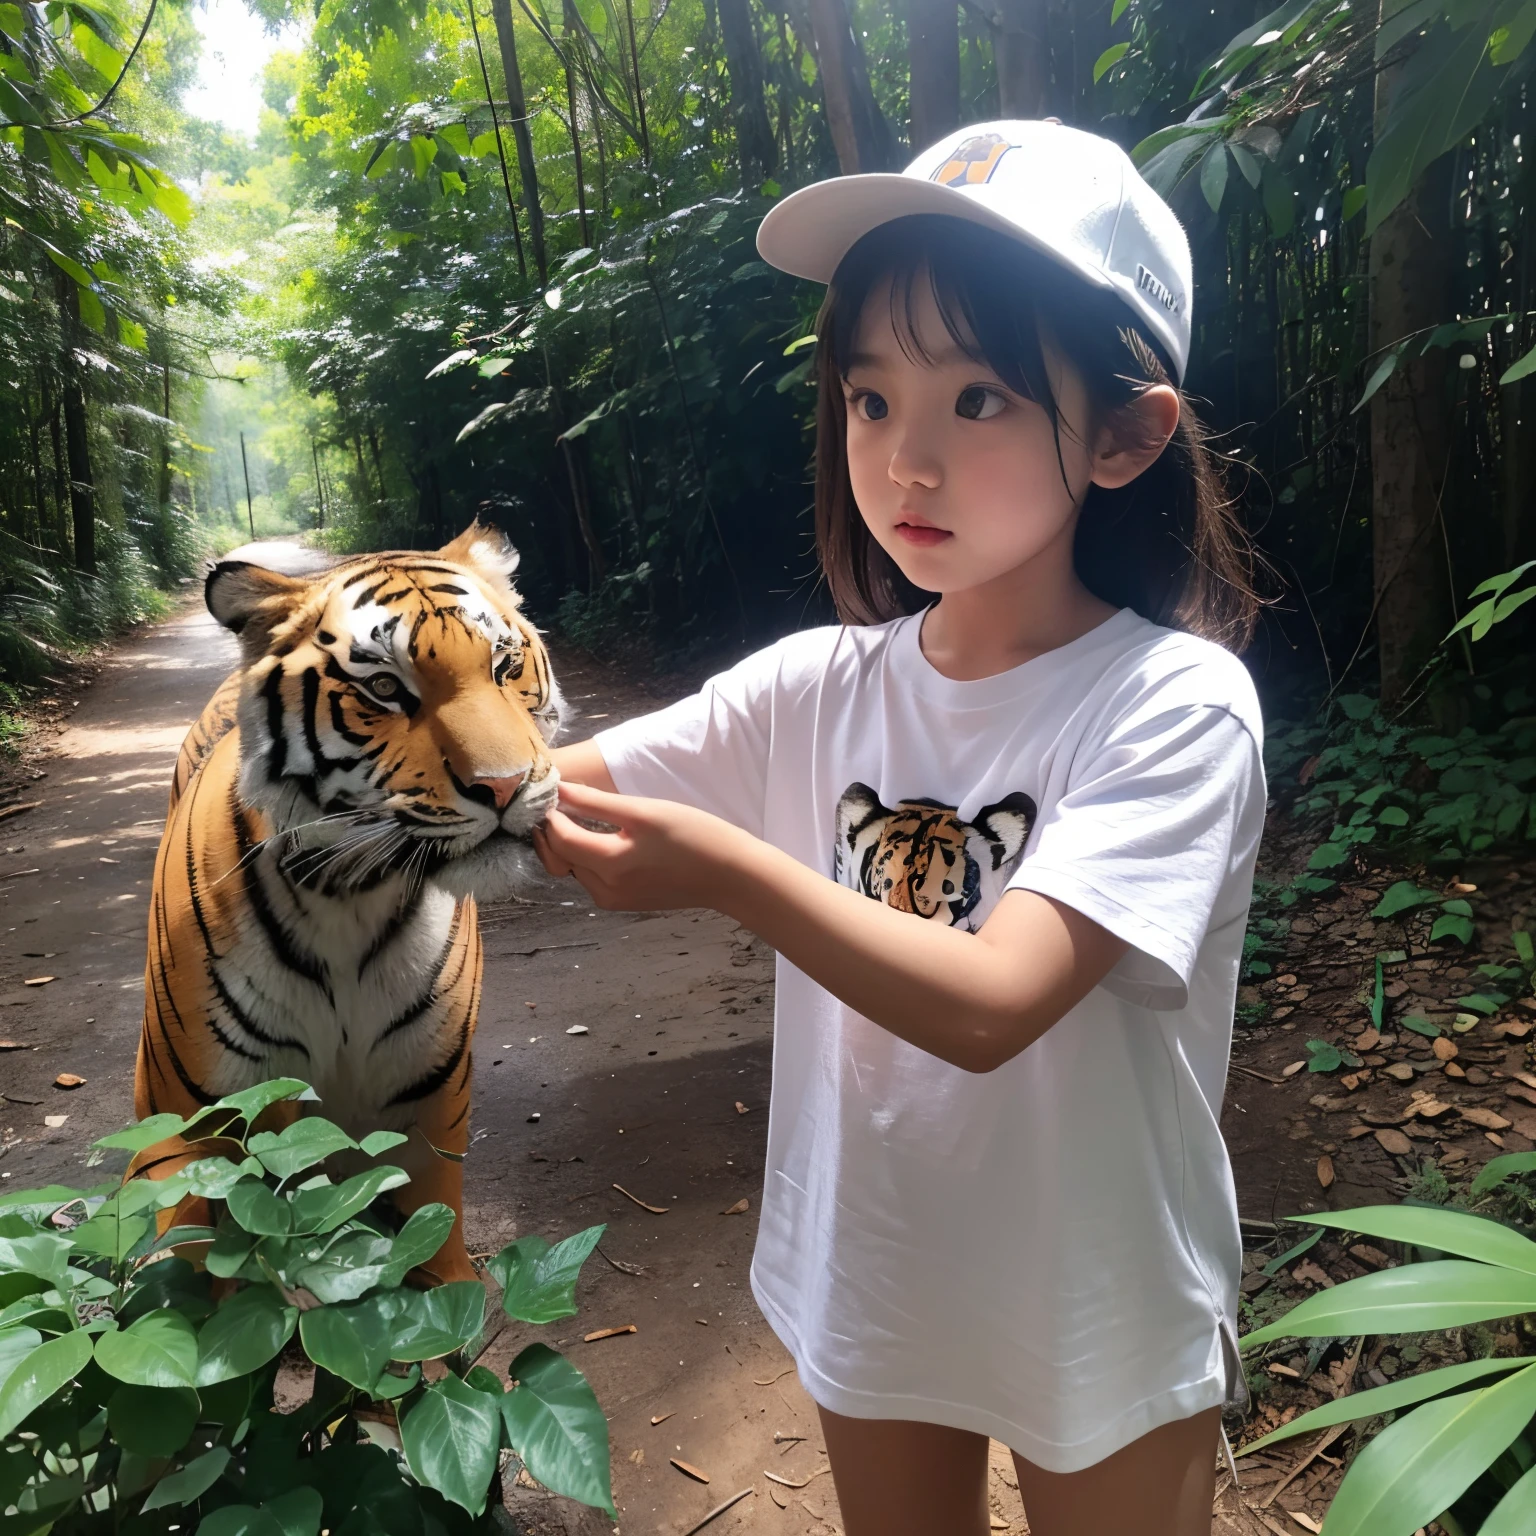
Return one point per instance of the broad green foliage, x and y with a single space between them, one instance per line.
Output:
1462 1441
130 1381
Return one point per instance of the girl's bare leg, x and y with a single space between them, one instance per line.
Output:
899 1478
1159 1485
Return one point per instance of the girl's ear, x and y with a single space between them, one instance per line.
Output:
1134 436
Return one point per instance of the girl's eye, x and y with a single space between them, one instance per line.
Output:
872 407
978 403
382 686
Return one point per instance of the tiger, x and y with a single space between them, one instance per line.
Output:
920 857
379 759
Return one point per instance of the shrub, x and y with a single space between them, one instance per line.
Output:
137 1367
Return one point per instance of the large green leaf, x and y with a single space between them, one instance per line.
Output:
250 1102
337 1268
1438 99
16 1343
1446 1293
425 1231
145 1134
45 1255
48 1369
555 1425
214 1177
538 1282
352 1340
1402 1393
191 1482
152 1421
156 1350
1515 1513
437 1322
451 1436
299 1146
1470 1237
324 1208
1419 1465
245 1333
259 1210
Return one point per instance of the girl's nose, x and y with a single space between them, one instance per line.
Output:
914 463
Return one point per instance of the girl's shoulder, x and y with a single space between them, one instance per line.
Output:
1156 669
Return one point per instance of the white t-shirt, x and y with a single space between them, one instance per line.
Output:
1047 1253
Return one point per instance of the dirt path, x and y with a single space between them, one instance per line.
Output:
678 1009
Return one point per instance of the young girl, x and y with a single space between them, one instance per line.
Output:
997 1201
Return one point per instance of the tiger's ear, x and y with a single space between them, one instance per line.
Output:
250 600
858 806
487 550
1006 826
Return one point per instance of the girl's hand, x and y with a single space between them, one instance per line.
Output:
659 854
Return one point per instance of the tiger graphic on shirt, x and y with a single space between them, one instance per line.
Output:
921 857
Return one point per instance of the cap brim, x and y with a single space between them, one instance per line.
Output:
810 232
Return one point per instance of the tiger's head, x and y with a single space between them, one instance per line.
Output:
922 858
396 714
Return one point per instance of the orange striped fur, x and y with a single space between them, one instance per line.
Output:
379 757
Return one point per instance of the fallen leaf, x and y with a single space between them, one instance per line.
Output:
608 1333
38 981
1367 1040
15 1045
1444 1048
661 1418
1400 1070
1311 1273
1357 1131
53 1122
655 1210
739 1209
689 1471
1520 1091
68 1080
1456 888
1488 1119
1524 1077
703 1322
784 1482
1351 1080
1495 1138
105 860
530 1005
1287 980
1293 1069
741 1109
1275 1368
578 1029
638 1457
1369 1255
1456 1070
778 1498
1514 1029
1394 1142
1306 1522
1325 1170
1431 1109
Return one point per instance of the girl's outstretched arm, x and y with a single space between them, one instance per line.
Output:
582 763
974 1000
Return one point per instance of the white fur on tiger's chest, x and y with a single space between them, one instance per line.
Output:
345 997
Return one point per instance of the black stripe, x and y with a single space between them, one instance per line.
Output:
277 755
425 1087
434 993
390 932
239 1016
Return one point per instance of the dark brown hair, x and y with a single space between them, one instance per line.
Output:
1167 545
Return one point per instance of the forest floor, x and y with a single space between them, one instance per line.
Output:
666 1095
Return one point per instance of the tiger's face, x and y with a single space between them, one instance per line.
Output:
396 714
920 857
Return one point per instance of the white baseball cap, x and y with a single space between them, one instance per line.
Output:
1073 196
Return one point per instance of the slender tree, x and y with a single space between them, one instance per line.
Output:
755 143
860 133
517 106
933 57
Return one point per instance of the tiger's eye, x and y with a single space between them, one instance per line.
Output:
382 684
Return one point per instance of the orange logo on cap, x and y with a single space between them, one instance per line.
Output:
973 161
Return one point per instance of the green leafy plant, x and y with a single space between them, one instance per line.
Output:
138 1366
1466 1452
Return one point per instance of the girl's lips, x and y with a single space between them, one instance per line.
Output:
923 535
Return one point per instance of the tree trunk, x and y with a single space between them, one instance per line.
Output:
82 484
933 55
572 43
1021 49
60 477
744 62
165 436
860 134
1410 290
517 105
